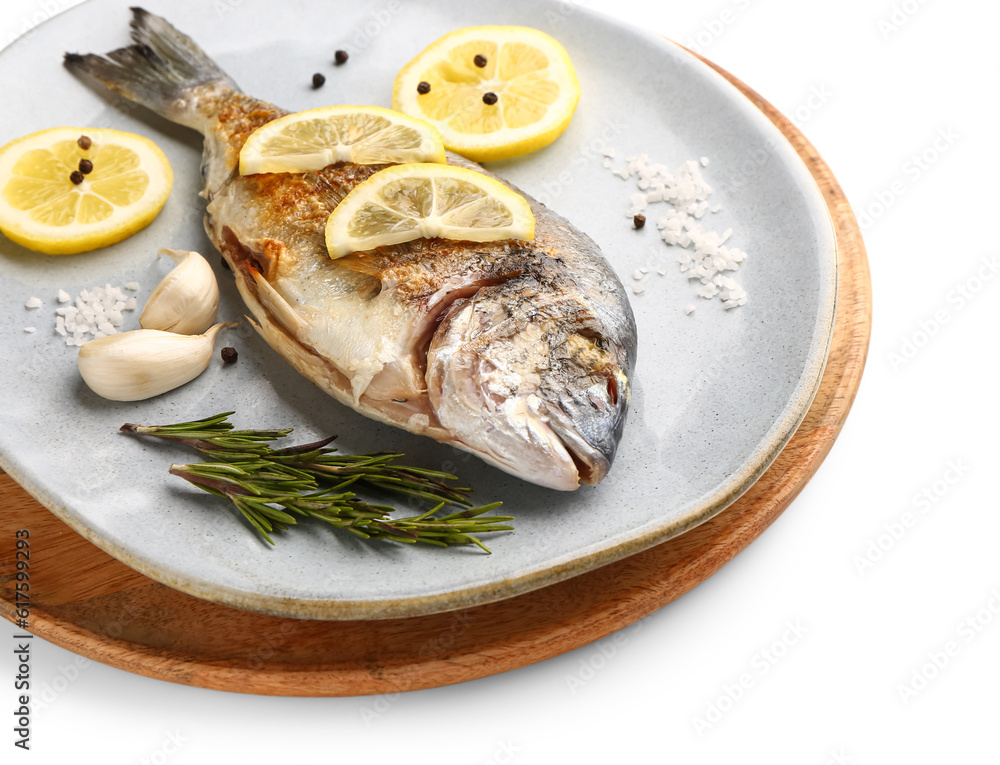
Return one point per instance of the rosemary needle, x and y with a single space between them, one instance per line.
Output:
273 488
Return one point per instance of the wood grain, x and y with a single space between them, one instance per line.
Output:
93 605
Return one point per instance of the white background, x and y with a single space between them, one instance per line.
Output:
873 85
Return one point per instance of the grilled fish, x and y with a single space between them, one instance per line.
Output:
519 352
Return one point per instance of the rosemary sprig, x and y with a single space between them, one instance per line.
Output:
272 488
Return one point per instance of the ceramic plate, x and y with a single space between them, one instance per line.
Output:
717 393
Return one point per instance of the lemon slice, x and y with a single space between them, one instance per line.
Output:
407 202
494 92
126 184
313 139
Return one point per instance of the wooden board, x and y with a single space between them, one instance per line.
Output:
93 605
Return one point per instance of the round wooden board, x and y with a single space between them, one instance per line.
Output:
89 603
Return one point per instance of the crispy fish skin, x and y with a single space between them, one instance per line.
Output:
519 352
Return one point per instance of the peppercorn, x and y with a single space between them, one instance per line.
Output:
423 87
83 142
479 60
639 220
86 166
489 98
76 176
340 57
229 355
318 80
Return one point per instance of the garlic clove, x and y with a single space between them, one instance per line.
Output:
186 300
136 365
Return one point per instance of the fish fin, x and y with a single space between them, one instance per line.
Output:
270 298
156 70
362 263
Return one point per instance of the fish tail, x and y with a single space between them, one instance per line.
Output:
157 70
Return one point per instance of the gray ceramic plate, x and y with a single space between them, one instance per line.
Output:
717 393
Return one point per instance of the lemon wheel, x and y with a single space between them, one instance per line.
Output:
494 91
68 190
407 202
315 138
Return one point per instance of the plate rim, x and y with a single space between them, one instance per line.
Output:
464 596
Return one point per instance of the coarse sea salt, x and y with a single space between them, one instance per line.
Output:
93 313
705 255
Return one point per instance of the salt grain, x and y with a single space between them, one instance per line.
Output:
132 286
33 302
685 193
29 329
93 313
638 288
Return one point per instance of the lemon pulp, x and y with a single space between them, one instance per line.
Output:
315 138
494 92
407 202
47 202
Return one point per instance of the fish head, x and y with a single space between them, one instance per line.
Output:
533 381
